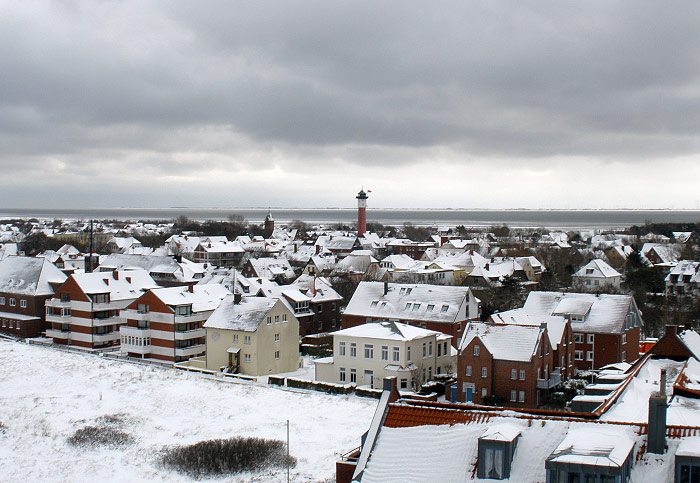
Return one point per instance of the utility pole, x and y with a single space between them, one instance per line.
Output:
287 450
90 250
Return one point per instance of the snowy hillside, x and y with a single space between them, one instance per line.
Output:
46 395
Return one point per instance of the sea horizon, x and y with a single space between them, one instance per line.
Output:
585 218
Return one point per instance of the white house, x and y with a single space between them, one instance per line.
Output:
365 354
596 275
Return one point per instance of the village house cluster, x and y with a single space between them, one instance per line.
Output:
377 309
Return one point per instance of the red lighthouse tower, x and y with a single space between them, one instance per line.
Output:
361 212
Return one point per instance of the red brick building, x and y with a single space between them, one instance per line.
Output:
25 285
515 363
606 327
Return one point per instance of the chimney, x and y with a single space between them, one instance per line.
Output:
106 280
237 297
318 249
671 330
389 384
115 274
386 287
190 288
314 285
128 279
295 248
656 434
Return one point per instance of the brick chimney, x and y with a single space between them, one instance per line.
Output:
115 274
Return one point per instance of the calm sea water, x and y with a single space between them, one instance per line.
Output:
515 218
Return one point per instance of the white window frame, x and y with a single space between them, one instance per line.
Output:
513 395
369 351
521 396
23 303
385 352
395 354
522 374
484 371
341 348
476 350
468 370
514 374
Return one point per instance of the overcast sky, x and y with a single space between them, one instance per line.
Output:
560 104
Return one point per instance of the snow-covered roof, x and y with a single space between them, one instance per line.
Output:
121 285
407 301
201 297
29 276
247 315
504 342
597 268
691 339
502 432
595 446
272 267
556 324
604 313
689 447
318 288
386 331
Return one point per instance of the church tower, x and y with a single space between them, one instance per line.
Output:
269 224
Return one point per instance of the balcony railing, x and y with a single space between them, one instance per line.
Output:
101 338
115 319
134 331
57 303
136 349
58 334
190 334
554 379
190 351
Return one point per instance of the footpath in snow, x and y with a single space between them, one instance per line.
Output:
46 395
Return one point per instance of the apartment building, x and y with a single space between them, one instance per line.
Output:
85 310
168 323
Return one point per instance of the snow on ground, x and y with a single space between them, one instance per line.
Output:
46 394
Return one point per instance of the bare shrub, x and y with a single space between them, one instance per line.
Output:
102 435
226 456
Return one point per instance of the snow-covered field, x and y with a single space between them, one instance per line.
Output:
45 395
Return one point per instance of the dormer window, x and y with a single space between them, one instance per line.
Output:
430 307
374 303
444 308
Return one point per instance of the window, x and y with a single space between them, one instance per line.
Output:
341 349
589 355
430 307
513 395
65 297
408 306
439 349
374 303
522 374
277 354
18 326
269 320
484 371
416 307
235 337
183 310
13 302
624 356
100 298
320 308
408 353
493 463
284 317
353 375
569 358
578 355
277 319
246 339
425 350
590 338
142 308
483 392
468 371
624 337
404 383
444 308
521 396
246 357
353 349
689 473
476 350
277 337
385 353
23 303
395 354
369 351
2 300
578 338
341 374
513 373
430 348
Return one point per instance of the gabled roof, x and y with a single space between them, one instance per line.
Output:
597 268
504 342
128 284
555 323
604 313
407 301
29 276
201 297
387 331
247 315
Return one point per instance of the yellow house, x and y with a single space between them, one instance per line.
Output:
252 335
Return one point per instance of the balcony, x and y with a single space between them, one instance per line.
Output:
136 349
114 320
104 338
59 319
190 351
554 379
58 334
134 331
190 334
57 303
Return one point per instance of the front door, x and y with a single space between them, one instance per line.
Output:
368 379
